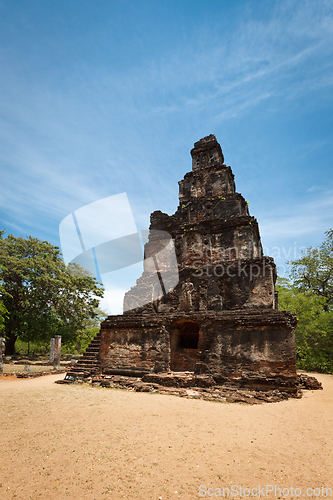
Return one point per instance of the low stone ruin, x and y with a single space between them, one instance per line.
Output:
2 352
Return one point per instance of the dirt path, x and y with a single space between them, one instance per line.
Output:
79 442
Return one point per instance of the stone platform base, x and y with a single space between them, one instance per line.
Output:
204 387
245 349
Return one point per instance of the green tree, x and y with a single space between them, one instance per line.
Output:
309 294
91 325
313 271
314 332
42 298
85 335
3 311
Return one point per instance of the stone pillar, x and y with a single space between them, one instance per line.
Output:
2 352
51 351
57 352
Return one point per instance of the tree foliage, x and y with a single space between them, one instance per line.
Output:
313 271
314 332
85 335
309 294
3 310
41 295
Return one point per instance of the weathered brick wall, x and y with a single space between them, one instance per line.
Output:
247 348
138 345
214 287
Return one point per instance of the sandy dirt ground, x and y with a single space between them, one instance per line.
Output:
79 442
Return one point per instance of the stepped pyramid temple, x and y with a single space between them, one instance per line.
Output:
206 301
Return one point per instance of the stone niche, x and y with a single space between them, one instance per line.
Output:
206 301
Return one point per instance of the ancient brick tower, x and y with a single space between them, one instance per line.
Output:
206 300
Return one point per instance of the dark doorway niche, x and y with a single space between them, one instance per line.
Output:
188 335
184 346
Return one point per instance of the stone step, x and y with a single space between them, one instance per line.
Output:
90 370
80 370
83 366
92 363
89 361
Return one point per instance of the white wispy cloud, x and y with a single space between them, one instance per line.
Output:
101 131
298 220
315 188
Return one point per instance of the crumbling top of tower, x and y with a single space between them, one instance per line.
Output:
206 153
219 258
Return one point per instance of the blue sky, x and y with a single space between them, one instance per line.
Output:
104 97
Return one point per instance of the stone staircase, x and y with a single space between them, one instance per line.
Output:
88 364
